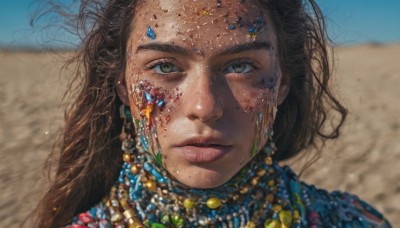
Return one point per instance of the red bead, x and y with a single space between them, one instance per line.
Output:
85 217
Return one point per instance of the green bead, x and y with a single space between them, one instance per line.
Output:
165 219
272 223
213 203
179 223
285 217
157 225
188 203
177 220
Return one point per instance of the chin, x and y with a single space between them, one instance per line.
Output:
202 178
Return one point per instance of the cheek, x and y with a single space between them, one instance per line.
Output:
165 116
251 101
146 100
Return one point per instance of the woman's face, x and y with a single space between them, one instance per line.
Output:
203 80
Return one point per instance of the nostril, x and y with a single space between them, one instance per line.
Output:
192 117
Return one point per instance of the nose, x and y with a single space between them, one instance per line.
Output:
203 100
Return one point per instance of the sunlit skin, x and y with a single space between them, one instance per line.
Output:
216 80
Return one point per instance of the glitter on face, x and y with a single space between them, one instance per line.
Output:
256 27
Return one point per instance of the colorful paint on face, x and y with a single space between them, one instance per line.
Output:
149 99
227 84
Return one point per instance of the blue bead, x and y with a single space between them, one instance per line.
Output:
251 29
150 207
156 174
152 218
147 167
121 180
162 180
150 33
160 103
148 97
231 27
144 142
236 222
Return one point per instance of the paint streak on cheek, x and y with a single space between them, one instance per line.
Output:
149 100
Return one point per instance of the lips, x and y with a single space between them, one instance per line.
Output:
203 149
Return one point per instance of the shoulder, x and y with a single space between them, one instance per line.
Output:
340 208
96 217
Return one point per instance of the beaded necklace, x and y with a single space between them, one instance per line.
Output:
146 196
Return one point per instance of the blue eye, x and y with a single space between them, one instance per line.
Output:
239 68
165 68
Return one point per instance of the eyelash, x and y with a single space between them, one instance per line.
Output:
157 63
251 63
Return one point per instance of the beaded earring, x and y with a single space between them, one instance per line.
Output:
270 148
128 143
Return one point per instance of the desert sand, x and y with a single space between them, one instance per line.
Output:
364 160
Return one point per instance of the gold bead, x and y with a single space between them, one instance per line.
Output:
277 207
134 223
250 225
114 203
269 198
126 157
188 203
285 217
268 160
151 185
271 183
213 203
135 169
124 204
255 180
296 214
244 190
261 172
129 213
116 217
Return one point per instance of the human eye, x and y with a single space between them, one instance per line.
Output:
241 67
163 67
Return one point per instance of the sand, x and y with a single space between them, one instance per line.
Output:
363 161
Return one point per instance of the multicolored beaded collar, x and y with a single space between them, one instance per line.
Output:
146 196
261 194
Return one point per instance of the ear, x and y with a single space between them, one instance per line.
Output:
283 88
122 92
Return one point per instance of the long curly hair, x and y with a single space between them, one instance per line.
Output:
87 155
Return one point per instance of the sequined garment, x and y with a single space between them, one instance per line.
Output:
312 207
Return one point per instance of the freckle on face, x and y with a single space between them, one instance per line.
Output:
202 84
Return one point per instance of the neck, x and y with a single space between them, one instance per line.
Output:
148 195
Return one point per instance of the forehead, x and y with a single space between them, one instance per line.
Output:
198 22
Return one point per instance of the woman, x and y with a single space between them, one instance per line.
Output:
193 91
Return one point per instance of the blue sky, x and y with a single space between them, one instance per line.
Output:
349 22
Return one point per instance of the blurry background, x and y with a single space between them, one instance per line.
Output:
363 161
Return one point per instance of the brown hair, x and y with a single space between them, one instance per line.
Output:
88 150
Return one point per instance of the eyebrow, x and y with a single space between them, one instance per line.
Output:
175 49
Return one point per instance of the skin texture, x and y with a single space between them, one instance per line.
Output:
219 80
